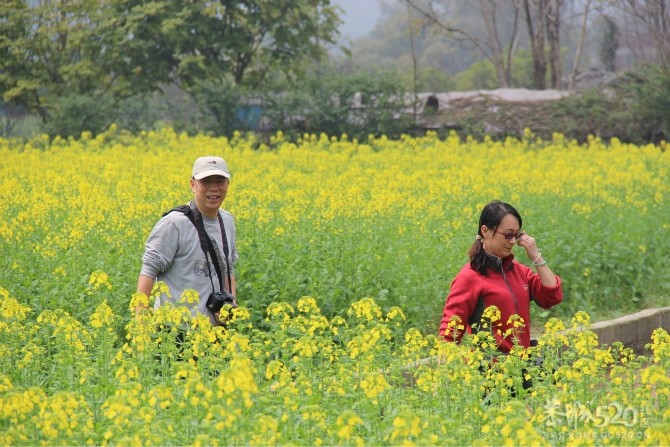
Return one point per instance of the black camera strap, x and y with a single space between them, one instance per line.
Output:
195 217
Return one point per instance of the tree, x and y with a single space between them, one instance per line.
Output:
580 45
54 48
438 13
553 24
543 22
609 43
647 92
482 74
244 39
389 45
647 29
535 26
370 102
110 50
72 63
415 77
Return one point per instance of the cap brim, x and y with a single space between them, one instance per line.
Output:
204 174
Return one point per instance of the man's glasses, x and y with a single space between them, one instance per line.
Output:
214 180
510 236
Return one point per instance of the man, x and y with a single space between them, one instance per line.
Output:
173 253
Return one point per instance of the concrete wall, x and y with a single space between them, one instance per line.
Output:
634 330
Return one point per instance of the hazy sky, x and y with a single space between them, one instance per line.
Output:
359 17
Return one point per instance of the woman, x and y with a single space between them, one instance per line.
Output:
494 278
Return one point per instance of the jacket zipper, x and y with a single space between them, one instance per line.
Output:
516 304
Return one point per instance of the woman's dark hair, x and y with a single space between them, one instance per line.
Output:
491 216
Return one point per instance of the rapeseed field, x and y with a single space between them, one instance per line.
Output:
347 249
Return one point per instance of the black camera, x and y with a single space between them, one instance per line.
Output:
218 299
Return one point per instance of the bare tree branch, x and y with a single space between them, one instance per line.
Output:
491 47
650 23
496 51
580 45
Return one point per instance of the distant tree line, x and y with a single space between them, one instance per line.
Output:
261 66
72 61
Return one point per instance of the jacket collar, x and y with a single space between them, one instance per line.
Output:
497 264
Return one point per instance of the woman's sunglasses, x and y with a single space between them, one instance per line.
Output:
510 236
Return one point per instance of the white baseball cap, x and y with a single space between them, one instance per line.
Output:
206 166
